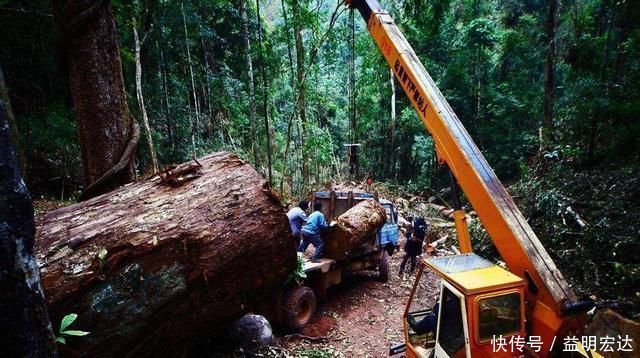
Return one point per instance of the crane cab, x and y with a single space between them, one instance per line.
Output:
480 304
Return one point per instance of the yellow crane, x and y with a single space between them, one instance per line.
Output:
531 298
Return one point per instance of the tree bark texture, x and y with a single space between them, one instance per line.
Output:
250 84
177 262
353 229
25 330
108 134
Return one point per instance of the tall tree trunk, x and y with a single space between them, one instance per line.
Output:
194 122
251 85
478 97
289 45
25 330
207 89
353 125
265 95
286 161
313 53
550 32
165 89
392 134
297 26
108 133
140 97
605 79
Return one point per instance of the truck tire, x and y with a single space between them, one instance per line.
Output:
299 308
383 267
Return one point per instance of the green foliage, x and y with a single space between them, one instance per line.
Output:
596 258
65 333
298 275
51 145
488 58
481 242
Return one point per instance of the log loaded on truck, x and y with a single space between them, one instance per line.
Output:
294 306
531 300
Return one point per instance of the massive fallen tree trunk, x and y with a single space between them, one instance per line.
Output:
354 228
153 265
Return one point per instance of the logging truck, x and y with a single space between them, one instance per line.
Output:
295 306
529 300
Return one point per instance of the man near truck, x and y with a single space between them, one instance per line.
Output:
297 217
311 232
413 246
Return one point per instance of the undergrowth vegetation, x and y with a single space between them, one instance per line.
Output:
588 218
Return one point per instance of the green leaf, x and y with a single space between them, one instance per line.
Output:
75 333
67 320
61 340
102 254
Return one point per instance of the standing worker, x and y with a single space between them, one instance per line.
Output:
311 232
413 246
297 217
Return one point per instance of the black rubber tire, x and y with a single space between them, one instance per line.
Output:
299 308
383 267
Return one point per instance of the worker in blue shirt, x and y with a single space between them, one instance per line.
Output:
311 232
297 217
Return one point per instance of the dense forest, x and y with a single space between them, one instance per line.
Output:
286 87
548 90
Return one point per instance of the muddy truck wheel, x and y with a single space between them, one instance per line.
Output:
383 267
299 308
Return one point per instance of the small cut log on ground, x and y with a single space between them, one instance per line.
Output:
152 266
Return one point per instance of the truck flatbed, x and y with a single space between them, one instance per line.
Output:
323 265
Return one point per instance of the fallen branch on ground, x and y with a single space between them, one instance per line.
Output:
308 338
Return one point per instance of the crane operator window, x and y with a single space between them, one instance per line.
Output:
499 316
451 329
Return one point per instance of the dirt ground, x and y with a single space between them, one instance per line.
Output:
361 317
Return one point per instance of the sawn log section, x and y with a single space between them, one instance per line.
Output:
178 262
354 228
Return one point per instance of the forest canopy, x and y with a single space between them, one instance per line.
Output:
314 87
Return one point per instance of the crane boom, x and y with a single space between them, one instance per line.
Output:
549 296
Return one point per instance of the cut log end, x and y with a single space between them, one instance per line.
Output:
354 228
